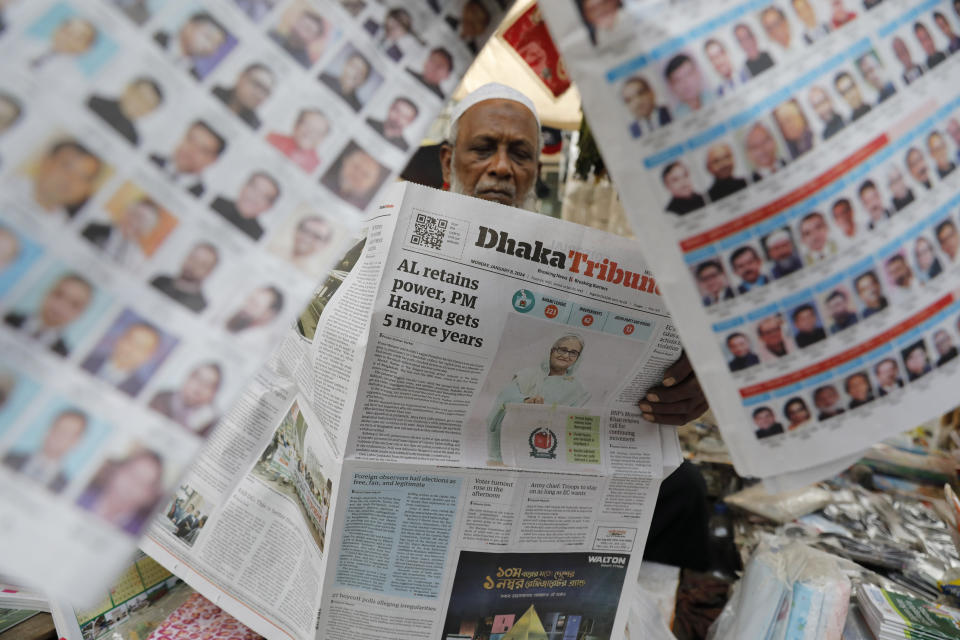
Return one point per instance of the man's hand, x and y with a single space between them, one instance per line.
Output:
679 399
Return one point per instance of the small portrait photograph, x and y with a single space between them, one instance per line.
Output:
134 227
740 351
16 393
859 389
138 99
757 58
252 87
195 41
435 72
58 310
778 27
888 375
302 240
138 11
839 308
717 52
56 446
18 253
606 20
940 152
845 218
848 88
916 360
11 111
60 178
256 10
186 514
540 363
679 183
946 28
310 316
774 338
945 346
901 195
199 146
726 169
797 413
303 33
746 263
643 99
475 20
256 313
763 150
684 77
828 402
126 488
840 14
870 197
807 325
64 43
356 176
821 101
794 127
187 283
907 53
813 20
930 46
393 32
765 422
129 352
900 278
310 128
781 252
250 204
352 77
870 293
189 394
926 259
712 281
816 237
356 7
948 239
395 123
875 75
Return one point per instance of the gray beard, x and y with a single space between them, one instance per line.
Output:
528 201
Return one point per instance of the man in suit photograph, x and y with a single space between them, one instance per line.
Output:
252 87
186 287
45 465
64 303
400 115
122 241
66 177
201 36
192 405
257 196
436 69
140 98
641 100
126 362
199 148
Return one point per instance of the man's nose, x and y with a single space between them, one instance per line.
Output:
500 165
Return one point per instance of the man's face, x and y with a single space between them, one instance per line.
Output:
843 215
64 303
899 272
712 281
495 156
839 307
871 71
198 149
918 166
916 360
870 198
859 388
67 177
9 112
200 387
436 69
686 83
678 182
777 27
949 240
814 233
134 348
475 21
942 341
938 149
198 264
601 14
74 37
943 25
400 115
138 99
847 88
897 184
720 161
805 12
781 249
790 120
393 28
748 42
304 30
747 265
821 103
310 131
925 40
739 346
9 248
199 38
359 174
806 320
797 412
311 236
761 147
770 333
139 219
257 308
887 373
256 196
353 74
64 434
719 59
826 398
763 419
868 288
253 87
953 128
924 253
902 52
639 99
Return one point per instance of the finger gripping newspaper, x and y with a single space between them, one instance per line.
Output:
463 453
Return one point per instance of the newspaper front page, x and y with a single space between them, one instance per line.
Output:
465 427
790 172
176 178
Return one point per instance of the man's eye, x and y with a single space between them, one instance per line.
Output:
482 150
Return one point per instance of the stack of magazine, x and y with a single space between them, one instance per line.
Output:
892 615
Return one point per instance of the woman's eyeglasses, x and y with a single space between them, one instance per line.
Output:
569 353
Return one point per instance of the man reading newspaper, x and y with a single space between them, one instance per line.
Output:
492 153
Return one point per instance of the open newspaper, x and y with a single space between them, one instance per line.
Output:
790 173
175 178
464 426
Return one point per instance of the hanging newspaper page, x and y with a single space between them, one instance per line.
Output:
790 172
176 178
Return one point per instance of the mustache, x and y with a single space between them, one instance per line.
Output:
487 183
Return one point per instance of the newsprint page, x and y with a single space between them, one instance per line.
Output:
790 170
457 409
175 178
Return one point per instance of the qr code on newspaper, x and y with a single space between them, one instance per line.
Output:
428 231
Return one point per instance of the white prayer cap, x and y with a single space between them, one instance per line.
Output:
778 236
493 91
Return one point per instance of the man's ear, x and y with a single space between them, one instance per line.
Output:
446 161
